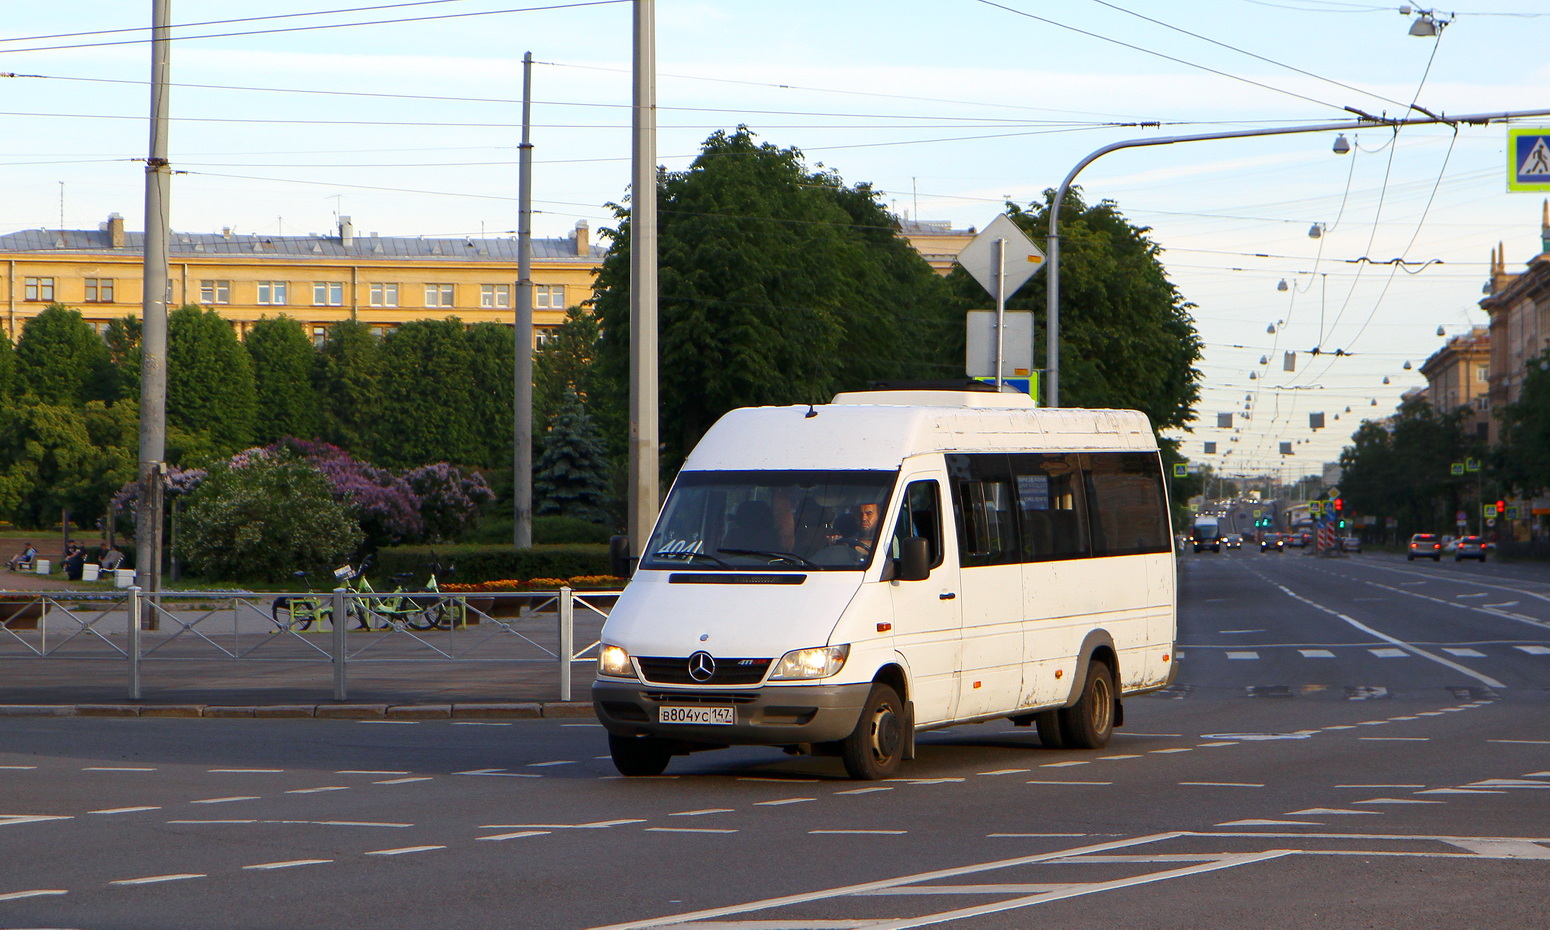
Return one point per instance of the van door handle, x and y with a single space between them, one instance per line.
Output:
946 597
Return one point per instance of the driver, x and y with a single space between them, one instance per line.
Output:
865 535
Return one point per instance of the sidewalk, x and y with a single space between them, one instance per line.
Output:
91 678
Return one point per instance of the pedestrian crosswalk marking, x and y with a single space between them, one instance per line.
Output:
1465 653
1538 161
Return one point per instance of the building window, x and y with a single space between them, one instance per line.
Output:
1483 374
549 297
542 335
384 295
328 293
271 293
495 296
39 289
319 336
214 292
379 331
438 295
99 290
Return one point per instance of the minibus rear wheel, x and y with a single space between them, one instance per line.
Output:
1048 722
639 755
873 750
1089 722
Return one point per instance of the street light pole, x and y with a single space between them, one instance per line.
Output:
1052 305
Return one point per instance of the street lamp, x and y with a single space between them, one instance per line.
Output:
1341 145
1427 23
1052 298
1316 231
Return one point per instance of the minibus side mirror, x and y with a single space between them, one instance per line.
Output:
620 563
914 559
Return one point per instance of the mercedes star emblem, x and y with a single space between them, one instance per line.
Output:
701 666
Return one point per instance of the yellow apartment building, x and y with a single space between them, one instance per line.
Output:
319 280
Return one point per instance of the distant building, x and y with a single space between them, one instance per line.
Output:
1459 375
1332 474
937 241
382 281
1519 307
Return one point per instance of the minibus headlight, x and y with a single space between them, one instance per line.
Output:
614 662
819 662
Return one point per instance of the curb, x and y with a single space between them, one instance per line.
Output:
508 711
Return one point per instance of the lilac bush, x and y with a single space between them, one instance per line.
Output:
449 499
176 483
388 508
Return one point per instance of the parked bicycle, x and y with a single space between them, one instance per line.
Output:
298 612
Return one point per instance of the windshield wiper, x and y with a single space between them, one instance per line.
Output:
788 556
688 554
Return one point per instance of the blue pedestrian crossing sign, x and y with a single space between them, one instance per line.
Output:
1528 157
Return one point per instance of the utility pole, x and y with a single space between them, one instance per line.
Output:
153 333
522 394
644 479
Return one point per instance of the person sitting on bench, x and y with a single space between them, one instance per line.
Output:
22 561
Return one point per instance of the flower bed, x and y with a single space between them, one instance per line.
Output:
579 582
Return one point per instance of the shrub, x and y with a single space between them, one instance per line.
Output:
264 519
487 563
556 529
449 499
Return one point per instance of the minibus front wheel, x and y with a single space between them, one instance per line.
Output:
872 751
639 755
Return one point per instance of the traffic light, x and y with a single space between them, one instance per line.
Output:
1339 506
1501 507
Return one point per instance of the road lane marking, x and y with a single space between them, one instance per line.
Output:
1460 791
688 830
1242 655
1264 822
1534 650
124 810
117 768
1005 772
1390 653
404 781
500 773
395 723
599 825
513 836
1060 765
1377 787
17 768
1483 679
155 879
1220 784
1325 811
246 771
1316 653
319 790
1463 653
783 801
857 832
1463 596
1397 801
1176 749
1043 782
367 772
479 723
708 810
289 864
240 797
1034 835
863 790
1122 756
1395 739
38 893
402 850
536 765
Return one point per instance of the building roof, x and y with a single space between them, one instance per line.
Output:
369 248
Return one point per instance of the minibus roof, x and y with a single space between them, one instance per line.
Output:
879 429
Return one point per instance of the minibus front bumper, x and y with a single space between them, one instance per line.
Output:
769 716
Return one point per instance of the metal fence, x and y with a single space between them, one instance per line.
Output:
242 631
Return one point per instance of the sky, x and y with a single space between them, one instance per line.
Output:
406 117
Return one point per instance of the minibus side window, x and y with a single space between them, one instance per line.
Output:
1126 504
1050 507
920 514
983 509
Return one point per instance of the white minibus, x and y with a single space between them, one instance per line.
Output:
834 579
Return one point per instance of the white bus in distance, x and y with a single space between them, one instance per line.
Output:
835 579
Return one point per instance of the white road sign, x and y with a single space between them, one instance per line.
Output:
1021 257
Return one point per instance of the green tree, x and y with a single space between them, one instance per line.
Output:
283 359
347 383
570 479
1524 453
778 285
265 517
54 457
60 359
1402 469
209 378
426 407
1127 339
491 381
123 341
7 366
563 363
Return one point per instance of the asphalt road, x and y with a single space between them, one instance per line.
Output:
1352 743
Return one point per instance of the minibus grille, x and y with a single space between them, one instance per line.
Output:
676 670
701 697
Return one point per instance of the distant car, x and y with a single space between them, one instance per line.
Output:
1350 544
1232 541
1424 546
1450 544
1272 542
1470 547
1297 539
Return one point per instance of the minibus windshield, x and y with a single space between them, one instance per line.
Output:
770 521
